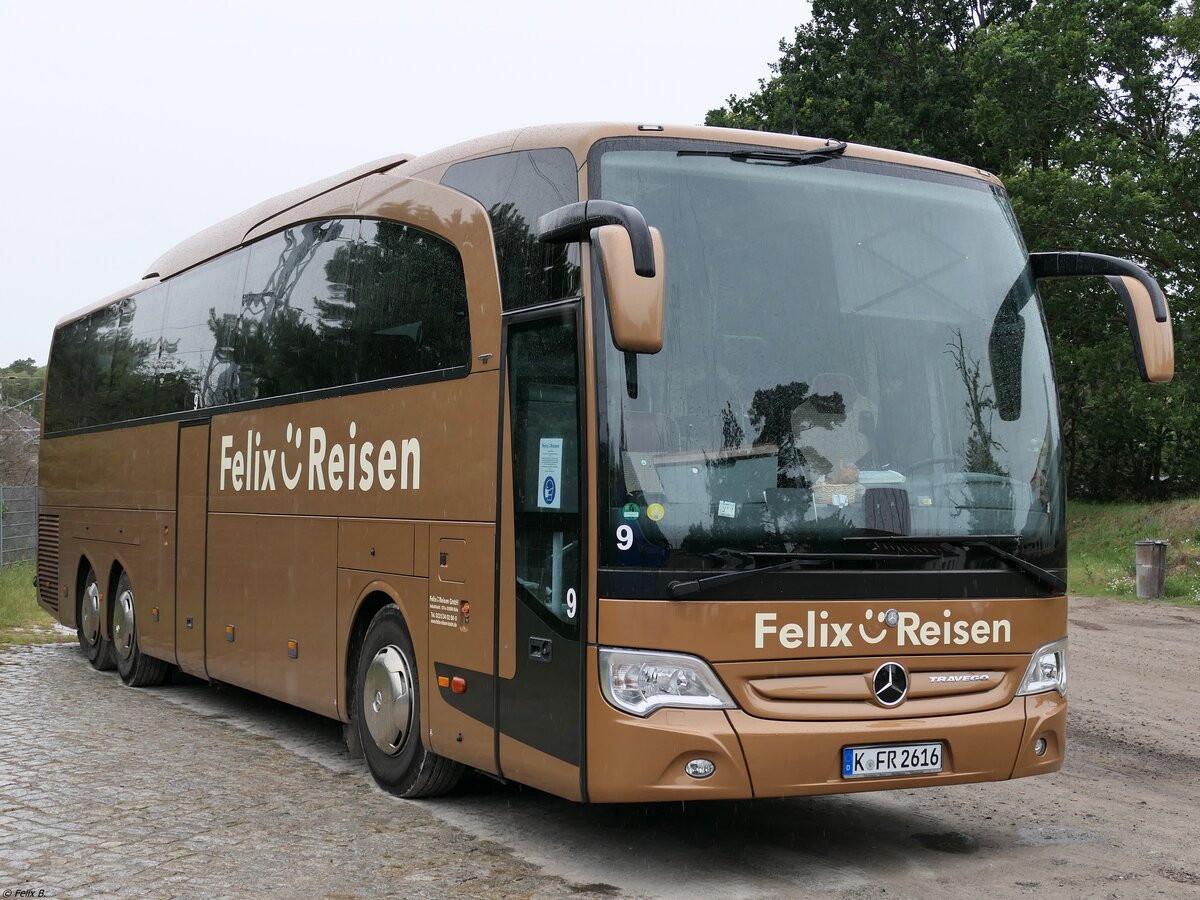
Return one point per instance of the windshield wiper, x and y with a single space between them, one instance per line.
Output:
783 157
989 542
684 588
794 560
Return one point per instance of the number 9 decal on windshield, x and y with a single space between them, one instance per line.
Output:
624 537
572 603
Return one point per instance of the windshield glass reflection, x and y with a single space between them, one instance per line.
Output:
852 349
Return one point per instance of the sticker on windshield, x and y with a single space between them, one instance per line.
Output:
550 473
631 511
727 509
656 511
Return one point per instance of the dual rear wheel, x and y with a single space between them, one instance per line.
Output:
96 647
121 651
387 708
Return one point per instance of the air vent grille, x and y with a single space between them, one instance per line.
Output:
47 560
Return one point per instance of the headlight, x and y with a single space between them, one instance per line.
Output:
1047 670
641 681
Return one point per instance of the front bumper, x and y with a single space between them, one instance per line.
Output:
631 759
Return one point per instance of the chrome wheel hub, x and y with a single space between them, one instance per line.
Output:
122 625
387 699
89 614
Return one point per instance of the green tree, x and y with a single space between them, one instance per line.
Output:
21 383
1088 110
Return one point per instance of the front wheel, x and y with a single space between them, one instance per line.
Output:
96 647
387 713
136 668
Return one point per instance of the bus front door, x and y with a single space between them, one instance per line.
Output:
542 608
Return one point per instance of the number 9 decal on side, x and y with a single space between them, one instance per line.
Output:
572 603
624 537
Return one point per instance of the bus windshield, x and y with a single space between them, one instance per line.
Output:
854 351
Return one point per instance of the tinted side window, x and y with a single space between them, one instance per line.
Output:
515 189
407 311
315 306
278 339
105 364
74 372
190 366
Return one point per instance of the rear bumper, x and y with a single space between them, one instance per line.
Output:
631 759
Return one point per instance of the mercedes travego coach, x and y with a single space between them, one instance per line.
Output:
629 462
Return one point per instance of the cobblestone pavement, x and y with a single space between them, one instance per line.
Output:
106 789
193 791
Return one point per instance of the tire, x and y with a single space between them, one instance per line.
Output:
390 733
136 668
96 647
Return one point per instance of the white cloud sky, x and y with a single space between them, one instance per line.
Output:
129 126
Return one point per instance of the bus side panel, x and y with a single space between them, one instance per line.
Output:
140 544
229 639
190 528
461 643
125 468
423 451
273 579
108 488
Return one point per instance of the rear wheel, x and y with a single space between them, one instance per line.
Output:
96 647
136 668
387 713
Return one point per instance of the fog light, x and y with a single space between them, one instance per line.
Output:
700 768
1039 747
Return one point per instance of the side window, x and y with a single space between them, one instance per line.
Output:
74 377
132 339
516 189
189 368
315 306
282 337
105 364
407 311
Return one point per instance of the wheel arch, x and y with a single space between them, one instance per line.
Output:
81 569
373 597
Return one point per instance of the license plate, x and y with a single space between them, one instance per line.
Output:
891 759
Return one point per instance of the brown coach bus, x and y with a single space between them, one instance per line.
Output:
627 462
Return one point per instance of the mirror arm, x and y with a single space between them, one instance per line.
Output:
575 221
1061 264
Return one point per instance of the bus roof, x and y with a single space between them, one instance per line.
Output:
578 138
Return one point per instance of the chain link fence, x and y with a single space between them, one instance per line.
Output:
18 523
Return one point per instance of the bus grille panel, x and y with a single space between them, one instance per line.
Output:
47 560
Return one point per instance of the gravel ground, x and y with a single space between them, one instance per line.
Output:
191 791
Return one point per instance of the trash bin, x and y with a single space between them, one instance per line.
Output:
1151 569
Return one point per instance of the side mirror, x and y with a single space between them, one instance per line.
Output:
630 256
635 303
1146 311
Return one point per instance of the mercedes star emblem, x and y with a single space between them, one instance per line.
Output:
890 683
